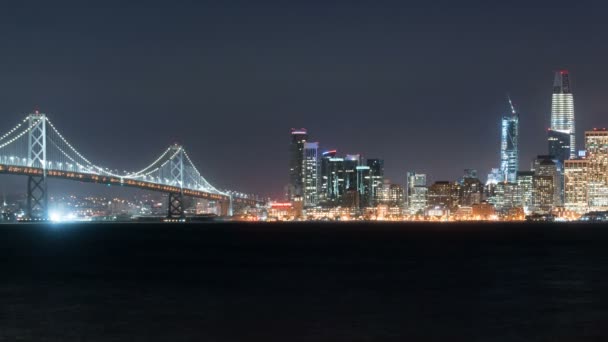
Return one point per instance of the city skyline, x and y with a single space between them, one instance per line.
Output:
558 136
371 79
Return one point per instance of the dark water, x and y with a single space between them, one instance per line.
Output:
235 282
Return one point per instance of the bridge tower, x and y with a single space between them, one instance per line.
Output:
37 199
176 165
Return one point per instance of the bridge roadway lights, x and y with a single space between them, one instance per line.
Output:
37 200
176 206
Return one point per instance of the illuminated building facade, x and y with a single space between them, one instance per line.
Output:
311 174
324 175
576 185
296 163
525 188
364 186
396 196
545 184
562 114
559 144
443 194
596 145
416 193
376 169
548 166
335 181
509 147
506 197
391 194
351 161
471 191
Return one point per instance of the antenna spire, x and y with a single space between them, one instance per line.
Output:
513 111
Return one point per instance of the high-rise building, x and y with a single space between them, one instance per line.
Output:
506 197
471 191
416 194
335 181
525 188
364 186
596 146
576 185
509 149
391 194
351 161
586 178
396 196
295 187
546 183
376 168
311 174
324 176
562 116
559 144
443 194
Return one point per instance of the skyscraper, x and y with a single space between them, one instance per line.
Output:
509 149
586 179
596 145
351 161
562 115
325 176
364 186
296 163
376 169
559 144
546 183
335 181
525 188
576 185
416 192
311 174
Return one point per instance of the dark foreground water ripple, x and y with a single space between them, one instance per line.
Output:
304 282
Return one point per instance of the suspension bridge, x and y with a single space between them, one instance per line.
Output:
35 148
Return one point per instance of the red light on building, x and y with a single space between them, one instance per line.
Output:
281 205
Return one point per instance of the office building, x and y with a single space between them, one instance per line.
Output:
351 161
576 185
546 184
596 146
311 174
364 186
443 194
525 188
376 168
562 116
416 194
509 146
296 163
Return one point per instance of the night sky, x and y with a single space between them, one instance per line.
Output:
421 85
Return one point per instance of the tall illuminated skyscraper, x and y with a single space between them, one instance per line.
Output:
416 192
311 174
296 163
376 170
509 149
562 117
596 145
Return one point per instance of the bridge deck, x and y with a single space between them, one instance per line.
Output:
108 180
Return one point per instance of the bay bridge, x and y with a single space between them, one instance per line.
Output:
35 148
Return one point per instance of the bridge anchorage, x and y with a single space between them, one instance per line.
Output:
36 149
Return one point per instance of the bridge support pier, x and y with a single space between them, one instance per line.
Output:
176 206
225 208
37 199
